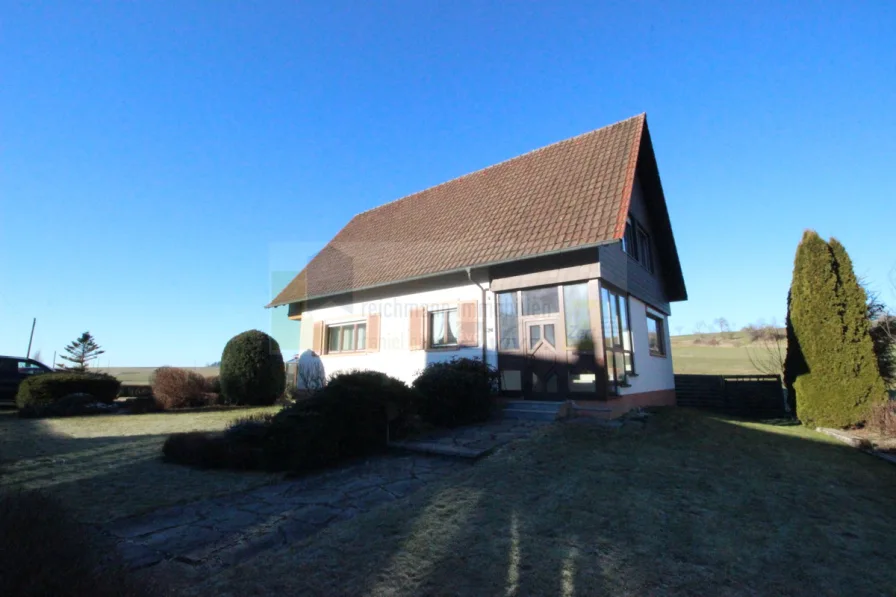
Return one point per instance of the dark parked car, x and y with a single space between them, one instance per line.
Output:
12 371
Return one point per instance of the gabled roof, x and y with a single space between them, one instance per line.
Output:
569 195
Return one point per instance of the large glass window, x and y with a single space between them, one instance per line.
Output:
443 328
541 301
347 337
656 335
508 321
617 337
577 317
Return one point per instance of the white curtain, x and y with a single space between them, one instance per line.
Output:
438 328
453 327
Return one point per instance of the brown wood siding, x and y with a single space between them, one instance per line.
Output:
318 342
417 336
373 332
468 316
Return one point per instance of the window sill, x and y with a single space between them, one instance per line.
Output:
658 355
345 353
448 348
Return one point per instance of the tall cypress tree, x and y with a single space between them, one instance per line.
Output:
859 362
826 364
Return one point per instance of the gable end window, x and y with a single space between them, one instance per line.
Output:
443 328
636 244
346 337
656 335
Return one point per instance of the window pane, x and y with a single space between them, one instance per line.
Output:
614 319
534 335
629 365
348 337
437 328
628 241
362 336
655 335
611 371
452 326
549 334
333 339
541 301
508 321
623 322
584 381
619 362
606 308
577 316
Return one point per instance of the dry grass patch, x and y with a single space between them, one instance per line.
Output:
692 505
108 467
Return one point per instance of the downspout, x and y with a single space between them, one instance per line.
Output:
482 316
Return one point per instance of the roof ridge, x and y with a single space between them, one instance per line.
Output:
642 116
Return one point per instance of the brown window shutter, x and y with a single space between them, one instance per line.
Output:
373 332
468 313
318 343
417 329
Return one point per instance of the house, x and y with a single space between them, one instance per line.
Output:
558 267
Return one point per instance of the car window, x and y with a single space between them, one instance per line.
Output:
29 368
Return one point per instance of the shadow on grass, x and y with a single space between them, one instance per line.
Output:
693 504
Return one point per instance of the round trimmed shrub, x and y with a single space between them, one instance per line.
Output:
456 392
252 370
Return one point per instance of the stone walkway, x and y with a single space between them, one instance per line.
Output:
227 529
231 528
473 441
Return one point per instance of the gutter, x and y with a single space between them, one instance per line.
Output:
483 315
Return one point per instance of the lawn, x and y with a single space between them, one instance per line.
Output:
691 505
108 467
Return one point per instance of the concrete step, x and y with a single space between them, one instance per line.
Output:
531 410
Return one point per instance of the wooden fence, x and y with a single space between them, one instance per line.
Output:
752 396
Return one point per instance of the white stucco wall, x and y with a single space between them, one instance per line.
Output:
394 357
653 372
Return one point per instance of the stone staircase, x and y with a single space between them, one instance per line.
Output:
532 410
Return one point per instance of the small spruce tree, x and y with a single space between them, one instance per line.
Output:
80 353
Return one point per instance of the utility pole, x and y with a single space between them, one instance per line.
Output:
33 323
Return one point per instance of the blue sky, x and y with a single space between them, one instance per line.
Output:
164 165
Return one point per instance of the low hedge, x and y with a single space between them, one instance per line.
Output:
50 387
353 415
456 392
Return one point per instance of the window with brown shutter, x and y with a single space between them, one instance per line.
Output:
417 337
373 332
469 323
317 344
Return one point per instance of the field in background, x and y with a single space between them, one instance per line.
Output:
694 354
140 375
731 356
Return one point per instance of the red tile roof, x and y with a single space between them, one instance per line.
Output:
568 195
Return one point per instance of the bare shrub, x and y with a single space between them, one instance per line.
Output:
179 388
883 419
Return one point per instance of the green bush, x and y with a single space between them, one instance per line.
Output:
353 415
456 392
252 371
830 363
73 405
44 551
50 387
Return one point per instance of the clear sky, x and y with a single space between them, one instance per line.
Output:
166 166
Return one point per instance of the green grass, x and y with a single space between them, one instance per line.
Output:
691 505
730 357
108 467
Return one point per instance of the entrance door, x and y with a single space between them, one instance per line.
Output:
544 379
